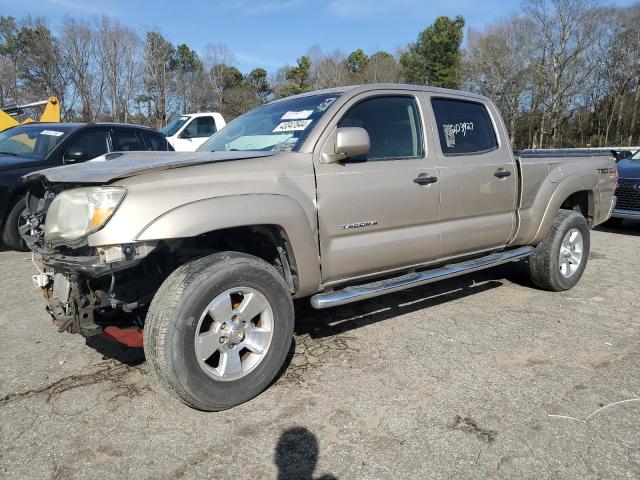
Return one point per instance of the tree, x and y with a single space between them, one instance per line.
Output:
119 57
382 67
496 65
79 54
297 78
258 79
41 71
563 30
9 55
159 63
434 59
188 68
356 61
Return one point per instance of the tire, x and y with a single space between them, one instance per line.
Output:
614 222
10 236
545 268
177 315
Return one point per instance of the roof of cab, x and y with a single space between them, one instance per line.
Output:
355 89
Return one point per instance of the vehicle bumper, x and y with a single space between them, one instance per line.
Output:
627 214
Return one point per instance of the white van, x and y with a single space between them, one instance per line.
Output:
187 132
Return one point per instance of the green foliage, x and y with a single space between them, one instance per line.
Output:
228 76
258 79
434 59
8 37
298 78
186 60
356 61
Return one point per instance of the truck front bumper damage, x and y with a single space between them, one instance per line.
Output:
88 296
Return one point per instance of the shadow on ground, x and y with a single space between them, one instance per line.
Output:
627 227
334 321
296 455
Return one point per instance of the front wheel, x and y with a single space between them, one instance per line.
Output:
219 329
560 259
15 219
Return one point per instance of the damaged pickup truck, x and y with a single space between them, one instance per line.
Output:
337 195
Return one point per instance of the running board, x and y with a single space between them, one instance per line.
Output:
374 289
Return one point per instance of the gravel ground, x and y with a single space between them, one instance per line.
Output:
480 377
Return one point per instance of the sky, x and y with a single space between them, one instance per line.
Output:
272 33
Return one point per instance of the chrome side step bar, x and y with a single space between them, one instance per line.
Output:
374 289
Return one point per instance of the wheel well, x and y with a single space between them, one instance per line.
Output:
581 202
268 242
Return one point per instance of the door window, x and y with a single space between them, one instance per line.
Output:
92 144
126 141
463 127
154 141
200 127
393 124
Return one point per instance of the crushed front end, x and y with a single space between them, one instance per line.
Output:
91 290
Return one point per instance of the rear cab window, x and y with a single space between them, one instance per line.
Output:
464 127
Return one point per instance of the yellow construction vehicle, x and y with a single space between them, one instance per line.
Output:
51 113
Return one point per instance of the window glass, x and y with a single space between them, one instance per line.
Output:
282 125
393 124
173 126
92 144
463 127
32 140
155 141
126 141
200 127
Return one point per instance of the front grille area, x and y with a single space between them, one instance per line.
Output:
628 193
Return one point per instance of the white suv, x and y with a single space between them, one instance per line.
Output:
187 132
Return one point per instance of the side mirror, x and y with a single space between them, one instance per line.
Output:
76 155
185 134
350 142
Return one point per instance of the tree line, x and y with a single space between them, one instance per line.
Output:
564 73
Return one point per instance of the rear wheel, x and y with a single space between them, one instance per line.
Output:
219 329
560 259
15 219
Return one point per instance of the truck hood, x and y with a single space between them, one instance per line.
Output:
128 164
628 168
11 162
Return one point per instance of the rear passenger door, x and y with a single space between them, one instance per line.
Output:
375 211
478 176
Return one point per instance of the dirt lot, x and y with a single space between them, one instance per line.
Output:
457 380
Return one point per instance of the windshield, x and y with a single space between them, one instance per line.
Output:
32 140
281 126
173 126
636 156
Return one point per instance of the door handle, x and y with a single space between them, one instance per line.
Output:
424 179
502 173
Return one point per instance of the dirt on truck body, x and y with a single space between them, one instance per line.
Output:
336 195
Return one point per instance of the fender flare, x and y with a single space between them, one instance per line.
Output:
218 213
566 188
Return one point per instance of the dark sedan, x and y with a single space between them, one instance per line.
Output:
628 191
35 146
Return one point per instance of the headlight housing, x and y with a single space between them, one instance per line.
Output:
75 213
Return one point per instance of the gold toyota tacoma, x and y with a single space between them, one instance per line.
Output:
336 195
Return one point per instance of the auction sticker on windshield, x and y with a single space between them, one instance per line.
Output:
292 126
297 115
53 133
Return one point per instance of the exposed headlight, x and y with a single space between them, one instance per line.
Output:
73 214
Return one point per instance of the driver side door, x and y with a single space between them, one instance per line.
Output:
374 212
86 145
